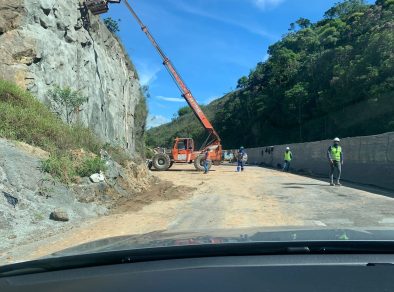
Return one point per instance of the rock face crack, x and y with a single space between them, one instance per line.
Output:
96 58
95 55
96 61
46 11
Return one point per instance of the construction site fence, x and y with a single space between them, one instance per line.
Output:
368 160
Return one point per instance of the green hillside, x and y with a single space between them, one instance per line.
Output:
330 78
184 125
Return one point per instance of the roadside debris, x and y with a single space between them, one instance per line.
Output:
59 215
97 177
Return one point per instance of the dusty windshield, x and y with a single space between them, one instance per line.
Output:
193 122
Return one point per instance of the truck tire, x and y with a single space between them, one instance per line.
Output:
161 161
199 163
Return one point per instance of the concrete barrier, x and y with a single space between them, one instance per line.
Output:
367 160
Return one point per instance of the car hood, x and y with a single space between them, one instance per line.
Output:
166 238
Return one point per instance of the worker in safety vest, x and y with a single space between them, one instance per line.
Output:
287 159
241 159
335 157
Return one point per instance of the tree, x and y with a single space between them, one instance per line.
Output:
112 24
184 110
385 3
297 97
345 8
145 91
292 27
303 23
65 102
242 82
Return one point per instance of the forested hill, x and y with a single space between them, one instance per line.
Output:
325 79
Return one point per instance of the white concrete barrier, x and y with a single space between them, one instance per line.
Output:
367 160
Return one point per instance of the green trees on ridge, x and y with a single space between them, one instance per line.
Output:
330 78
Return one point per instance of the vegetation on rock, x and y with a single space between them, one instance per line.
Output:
65 102
112 24
24 118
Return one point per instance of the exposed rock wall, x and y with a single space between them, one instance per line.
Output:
367 160
44 43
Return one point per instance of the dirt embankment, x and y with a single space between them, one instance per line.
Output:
31 201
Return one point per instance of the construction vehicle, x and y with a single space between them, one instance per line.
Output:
99 6
183 150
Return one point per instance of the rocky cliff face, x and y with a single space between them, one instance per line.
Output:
44 43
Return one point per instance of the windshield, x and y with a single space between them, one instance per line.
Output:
221 122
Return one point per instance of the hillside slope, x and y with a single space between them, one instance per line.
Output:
325 79
45 166
186 125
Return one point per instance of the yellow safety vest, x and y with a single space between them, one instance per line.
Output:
336 153
288 155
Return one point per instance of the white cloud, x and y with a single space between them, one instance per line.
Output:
245 26
147 73
170 99
156 120
267 4
147 77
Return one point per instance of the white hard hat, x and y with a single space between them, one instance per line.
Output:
287 148
337 140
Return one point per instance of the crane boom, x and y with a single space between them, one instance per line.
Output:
186 93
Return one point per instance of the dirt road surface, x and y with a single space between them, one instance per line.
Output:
223 198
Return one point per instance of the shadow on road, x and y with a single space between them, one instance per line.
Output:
183 170
299 184
370 189
367 188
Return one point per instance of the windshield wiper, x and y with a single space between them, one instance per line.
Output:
197 251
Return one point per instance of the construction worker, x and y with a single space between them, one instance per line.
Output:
287 159
335 157
206 161
240 159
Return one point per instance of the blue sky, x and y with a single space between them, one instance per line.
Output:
212 43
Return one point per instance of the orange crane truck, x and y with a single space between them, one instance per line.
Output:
183 150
